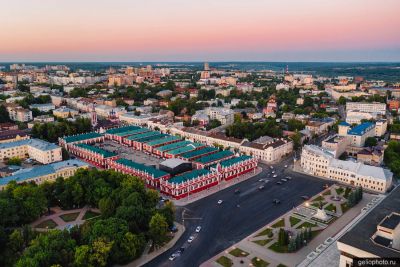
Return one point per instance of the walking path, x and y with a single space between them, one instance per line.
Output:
221 186
61 224
145 258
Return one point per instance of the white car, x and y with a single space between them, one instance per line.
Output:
172 257
198 229
275 176
191 238
285 166
219 202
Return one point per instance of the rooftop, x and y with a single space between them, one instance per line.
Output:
139 130
172 163
188 176
150 138
164 140
391 221
37 143
141 167
184 149
361 129
214 157
122 129
232 161
360 235
199 152
172 146
138 136
104 153
81 137
31 173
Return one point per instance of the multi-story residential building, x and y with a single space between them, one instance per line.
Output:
356 116
319 126
337 145
374 107
37 149
380 127
12 135
375 236
43 107
357 134
224 115
44 173
320 162
272 151
20 114
64 112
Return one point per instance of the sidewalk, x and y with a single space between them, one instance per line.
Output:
148 257
221 186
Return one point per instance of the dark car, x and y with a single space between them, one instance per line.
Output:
237 191
182 249
276 201
305 197
278 182
261 187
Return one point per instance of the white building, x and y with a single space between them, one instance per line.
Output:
374 107
43 107
320 162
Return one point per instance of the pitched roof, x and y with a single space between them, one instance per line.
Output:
104 153
184 149
172 146
188 176
141 167
199 152
81 137
162 140
214 157
122 129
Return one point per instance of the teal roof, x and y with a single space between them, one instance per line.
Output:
81 137
232 161
141 167
150 138
132 132
172 146
138 136
187 148
122 129
163 140
188 176
214 157
104 153
199 152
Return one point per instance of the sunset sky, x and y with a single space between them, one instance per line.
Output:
199 30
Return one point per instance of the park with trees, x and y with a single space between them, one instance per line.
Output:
130 218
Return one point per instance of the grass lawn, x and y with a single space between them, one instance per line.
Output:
294 221
331 208
263 242
267 231
278 224
319 198
278 248
305 225
315 233
237 252
327 193
347 192
339 190
344 207
225 261
316 204
257 262
90 214
69 217
281 265
48 224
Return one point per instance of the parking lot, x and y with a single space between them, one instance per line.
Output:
240 214
129 153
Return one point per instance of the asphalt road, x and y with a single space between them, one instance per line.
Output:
238 216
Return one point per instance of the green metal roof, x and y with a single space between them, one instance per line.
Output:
172 146
122 129
188 176
163 140
213 157
138 136
199 152
187 148
232 161
150 138
132 132
81 137
140 167
104 153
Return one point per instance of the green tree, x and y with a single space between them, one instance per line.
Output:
14 161
158 228
4 115
107 207
371 141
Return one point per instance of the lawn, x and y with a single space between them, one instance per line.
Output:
278 224
69 217
48 224
90 214
263 242
339 190
305 225
294 221
344 207
327 193
319 198
257 262
281 265
315 233
237 252
278 248
316 204
225 261
331 208
267 231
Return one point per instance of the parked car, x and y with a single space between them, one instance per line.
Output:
191 238
285 166
172 257
305 197
198 229
261 187
276 201
275 176
279 182
237 191
219 202
182 249
283 180
288 177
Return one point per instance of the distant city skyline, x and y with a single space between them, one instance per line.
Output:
207 30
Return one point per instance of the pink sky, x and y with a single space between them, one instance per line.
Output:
131 30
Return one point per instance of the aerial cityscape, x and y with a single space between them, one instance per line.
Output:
200 133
